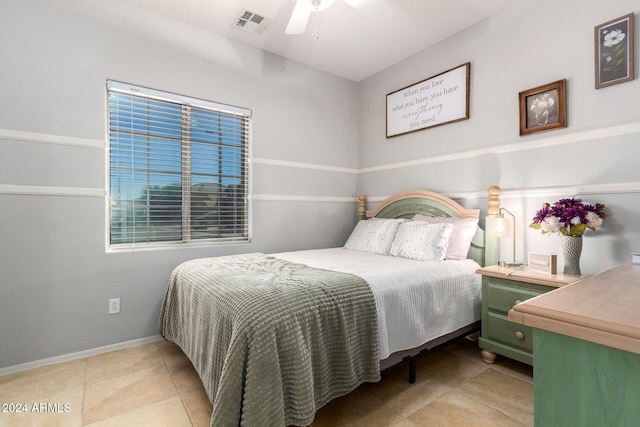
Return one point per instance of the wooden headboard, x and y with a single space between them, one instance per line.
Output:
483 248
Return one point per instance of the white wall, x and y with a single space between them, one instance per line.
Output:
55 274
594 158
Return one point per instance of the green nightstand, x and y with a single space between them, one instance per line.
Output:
502 288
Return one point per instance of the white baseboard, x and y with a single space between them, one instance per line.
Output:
78 355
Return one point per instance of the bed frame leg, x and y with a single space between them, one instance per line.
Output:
412 370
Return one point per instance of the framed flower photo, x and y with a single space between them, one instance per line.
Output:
614 51
543 108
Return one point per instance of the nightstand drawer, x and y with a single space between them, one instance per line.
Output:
504 294
502 288
510 333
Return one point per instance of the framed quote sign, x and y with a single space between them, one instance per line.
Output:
438 100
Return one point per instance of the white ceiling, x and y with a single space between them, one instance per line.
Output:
358 38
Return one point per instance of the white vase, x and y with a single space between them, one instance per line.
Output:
542 117
571 249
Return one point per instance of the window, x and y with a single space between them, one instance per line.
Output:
178 169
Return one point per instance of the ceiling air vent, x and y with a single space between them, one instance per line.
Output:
251 22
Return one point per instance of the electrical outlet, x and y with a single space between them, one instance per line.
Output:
114 306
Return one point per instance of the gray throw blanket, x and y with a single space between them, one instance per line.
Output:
272 341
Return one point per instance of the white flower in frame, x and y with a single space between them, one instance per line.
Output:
613 38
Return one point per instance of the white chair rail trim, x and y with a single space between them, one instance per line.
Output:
506 193
568 138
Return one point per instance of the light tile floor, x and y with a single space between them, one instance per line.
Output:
155 385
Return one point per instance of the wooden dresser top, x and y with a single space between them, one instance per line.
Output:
530 276
604 308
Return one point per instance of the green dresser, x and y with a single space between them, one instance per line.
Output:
587 351
502 288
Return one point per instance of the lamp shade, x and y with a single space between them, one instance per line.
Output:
501 228
501 225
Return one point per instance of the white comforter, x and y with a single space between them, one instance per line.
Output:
416 301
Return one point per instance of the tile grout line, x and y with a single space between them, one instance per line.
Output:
459 388
511 374
184 406
490 406
144 368
487 403
84 390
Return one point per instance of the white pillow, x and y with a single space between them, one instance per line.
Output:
373 236
463 231
421 241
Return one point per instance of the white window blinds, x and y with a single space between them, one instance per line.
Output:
178 169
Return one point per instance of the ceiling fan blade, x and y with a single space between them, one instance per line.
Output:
370 7
299 19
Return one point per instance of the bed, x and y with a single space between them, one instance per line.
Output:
274 337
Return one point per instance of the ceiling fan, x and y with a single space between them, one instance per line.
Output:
301 13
